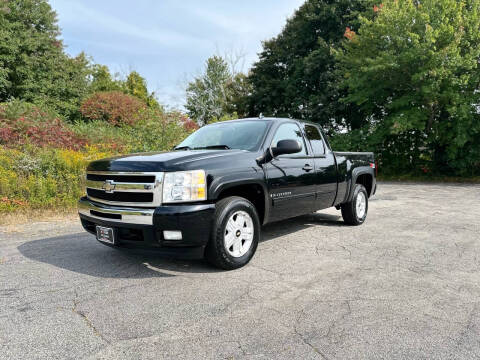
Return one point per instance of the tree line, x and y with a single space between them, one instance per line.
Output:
398 77
35 68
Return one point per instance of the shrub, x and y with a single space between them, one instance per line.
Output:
103 135
394 154
188 124
156 131
114 107
22 123
43 160
36 177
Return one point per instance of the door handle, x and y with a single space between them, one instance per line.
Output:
307 167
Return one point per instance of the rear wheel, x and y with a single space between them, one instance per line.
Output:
355 211
235 233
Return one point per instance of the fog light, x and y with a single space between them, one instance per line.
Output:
172 235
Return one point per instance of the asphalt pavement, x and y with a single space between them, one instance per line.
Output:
405 285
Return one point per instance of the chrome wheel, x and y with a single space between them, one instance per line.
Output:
238 235
361 205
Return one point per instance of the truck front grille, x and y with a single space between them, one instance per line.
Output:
118 196
147 179
137 189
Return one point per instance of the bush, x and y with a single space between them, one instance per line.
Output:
156 131
188 124
396 154
103 135
43 160
114 107
42 177
22 123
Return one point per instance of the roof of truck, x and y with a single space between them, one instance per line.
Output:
271 119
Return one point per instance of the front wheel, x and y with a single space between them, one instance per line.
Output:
235 233
355 211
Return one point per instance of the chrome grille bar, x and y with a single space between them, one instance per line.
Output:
126 215
127 189
121 186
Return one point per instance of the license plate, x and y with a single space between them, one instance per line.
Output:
105 235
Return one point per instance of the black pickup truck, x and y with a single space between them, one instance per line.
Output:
211 194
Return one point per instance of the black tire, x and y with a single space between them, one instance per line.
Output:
349 210
216 252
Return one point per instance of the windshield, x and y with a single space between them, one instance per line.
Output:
243 135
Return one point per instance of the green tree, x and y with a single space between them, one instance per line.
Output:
33 66
413 69
207 93
295 75
238 91
136 85
102 80
69 86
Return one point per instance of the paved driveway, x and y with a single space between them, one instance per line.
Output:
405 285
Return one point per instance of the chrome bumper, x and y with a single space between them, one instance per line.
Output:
115 214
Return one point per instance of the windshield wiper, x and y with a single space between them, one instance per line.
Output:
182 148
226 147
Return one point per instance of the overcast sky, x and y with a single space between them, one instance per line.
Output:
167 41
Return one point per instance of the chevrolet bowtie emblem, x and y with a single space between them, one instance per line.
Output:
108 186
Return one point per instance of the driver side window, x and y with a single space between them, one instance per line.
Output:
289 131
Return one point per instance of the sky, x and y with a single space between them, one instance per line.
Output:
168 41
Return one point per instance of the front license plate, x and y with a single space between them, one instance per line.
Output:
105 234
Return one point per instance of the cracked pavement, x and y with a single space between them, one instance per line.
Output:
405 285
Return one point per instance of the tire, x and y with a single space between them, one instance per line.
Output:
229 214
353 214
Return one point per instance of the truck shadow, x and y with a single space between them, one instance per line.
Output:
285 227
81 253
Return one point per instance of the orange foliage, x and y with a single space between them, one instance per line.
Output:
113 106
39 128
349 34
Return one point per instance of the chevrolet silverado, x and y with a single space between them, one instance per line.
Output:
211 194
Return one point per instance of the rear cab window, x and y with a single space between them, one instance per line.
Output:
313 135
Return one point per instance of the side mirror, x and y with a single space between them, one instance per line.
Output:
286 147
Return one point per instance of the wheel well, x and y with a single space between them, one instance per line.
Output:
252 192
366 180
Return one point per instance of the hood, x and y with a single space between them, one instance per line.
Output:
166 161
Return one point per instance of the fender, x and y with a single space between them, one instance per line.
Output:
355 174
252 177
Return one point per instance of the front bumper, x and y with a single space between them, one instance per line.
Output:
142 229
114 214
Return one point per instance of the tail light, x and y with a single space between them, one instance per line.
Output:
374 165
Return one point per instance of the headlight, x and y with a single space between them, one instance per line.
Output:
184 186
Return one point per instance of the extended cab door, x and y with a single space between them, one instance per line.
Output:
290 178
325 168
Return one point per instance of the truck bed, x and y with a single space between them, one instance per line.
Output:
365 156
349 164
